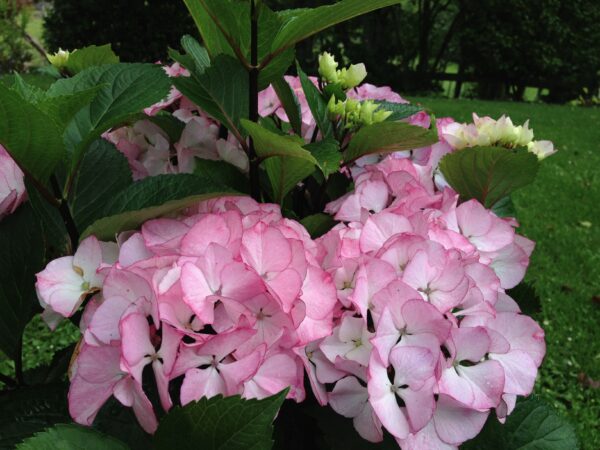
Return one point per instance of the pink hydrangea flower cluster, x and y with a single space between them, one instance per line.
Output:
149 149
12 186
222 300
426 340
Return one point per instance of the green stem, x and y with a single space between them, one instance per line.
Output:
253 73
19 363
65 213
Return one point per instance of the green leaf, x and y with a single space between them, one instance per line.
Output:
316 103
71 437
290 104
227 102
29 93
386 137
302 24
269 144
29 409
56 237
285 173
318 224
328 156
90 192
29 135
223 173
150 198
197 52
21 257
91 56
127 89
399 110
232 16
120 422
62 108
488 173
533 425
229 423
526 297
184 59
505 207
169 124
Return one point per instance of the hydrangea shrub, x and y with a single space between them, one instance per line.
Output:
227 236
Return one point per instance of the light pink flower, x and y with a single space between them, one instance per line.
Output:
12 187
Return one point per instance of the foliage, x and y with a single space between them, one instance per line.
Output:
102 151
14 50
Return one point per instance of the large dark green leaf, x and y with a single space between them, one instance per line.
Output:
488 174
56 237
386 137
71 437
29 409
222 173
31 137
229 423
222 91
90 56
533 425
302 24
21 257
91 192
127 89
152 197
316 103
62 108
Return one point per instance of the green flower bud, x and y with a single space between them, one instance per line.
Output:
59 59
327 67
367 109
381 115
353 76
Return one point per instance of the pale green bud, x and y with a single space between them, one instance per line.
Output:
335 108
367 108
381 115
327 67
353 76
59 59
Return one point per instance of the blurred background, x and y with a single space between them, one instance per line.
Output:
530 59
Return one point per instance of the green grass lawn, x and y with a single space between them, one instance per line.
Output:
560 212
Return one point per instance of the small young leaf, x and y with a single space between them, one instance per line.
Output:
226 102
30 136
150 198
285 173
386 137
488 174
290 104
318 224
399 110
269 144
316 103
71 437
229 423
90 56
533 425
197 52
21 257
328 156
